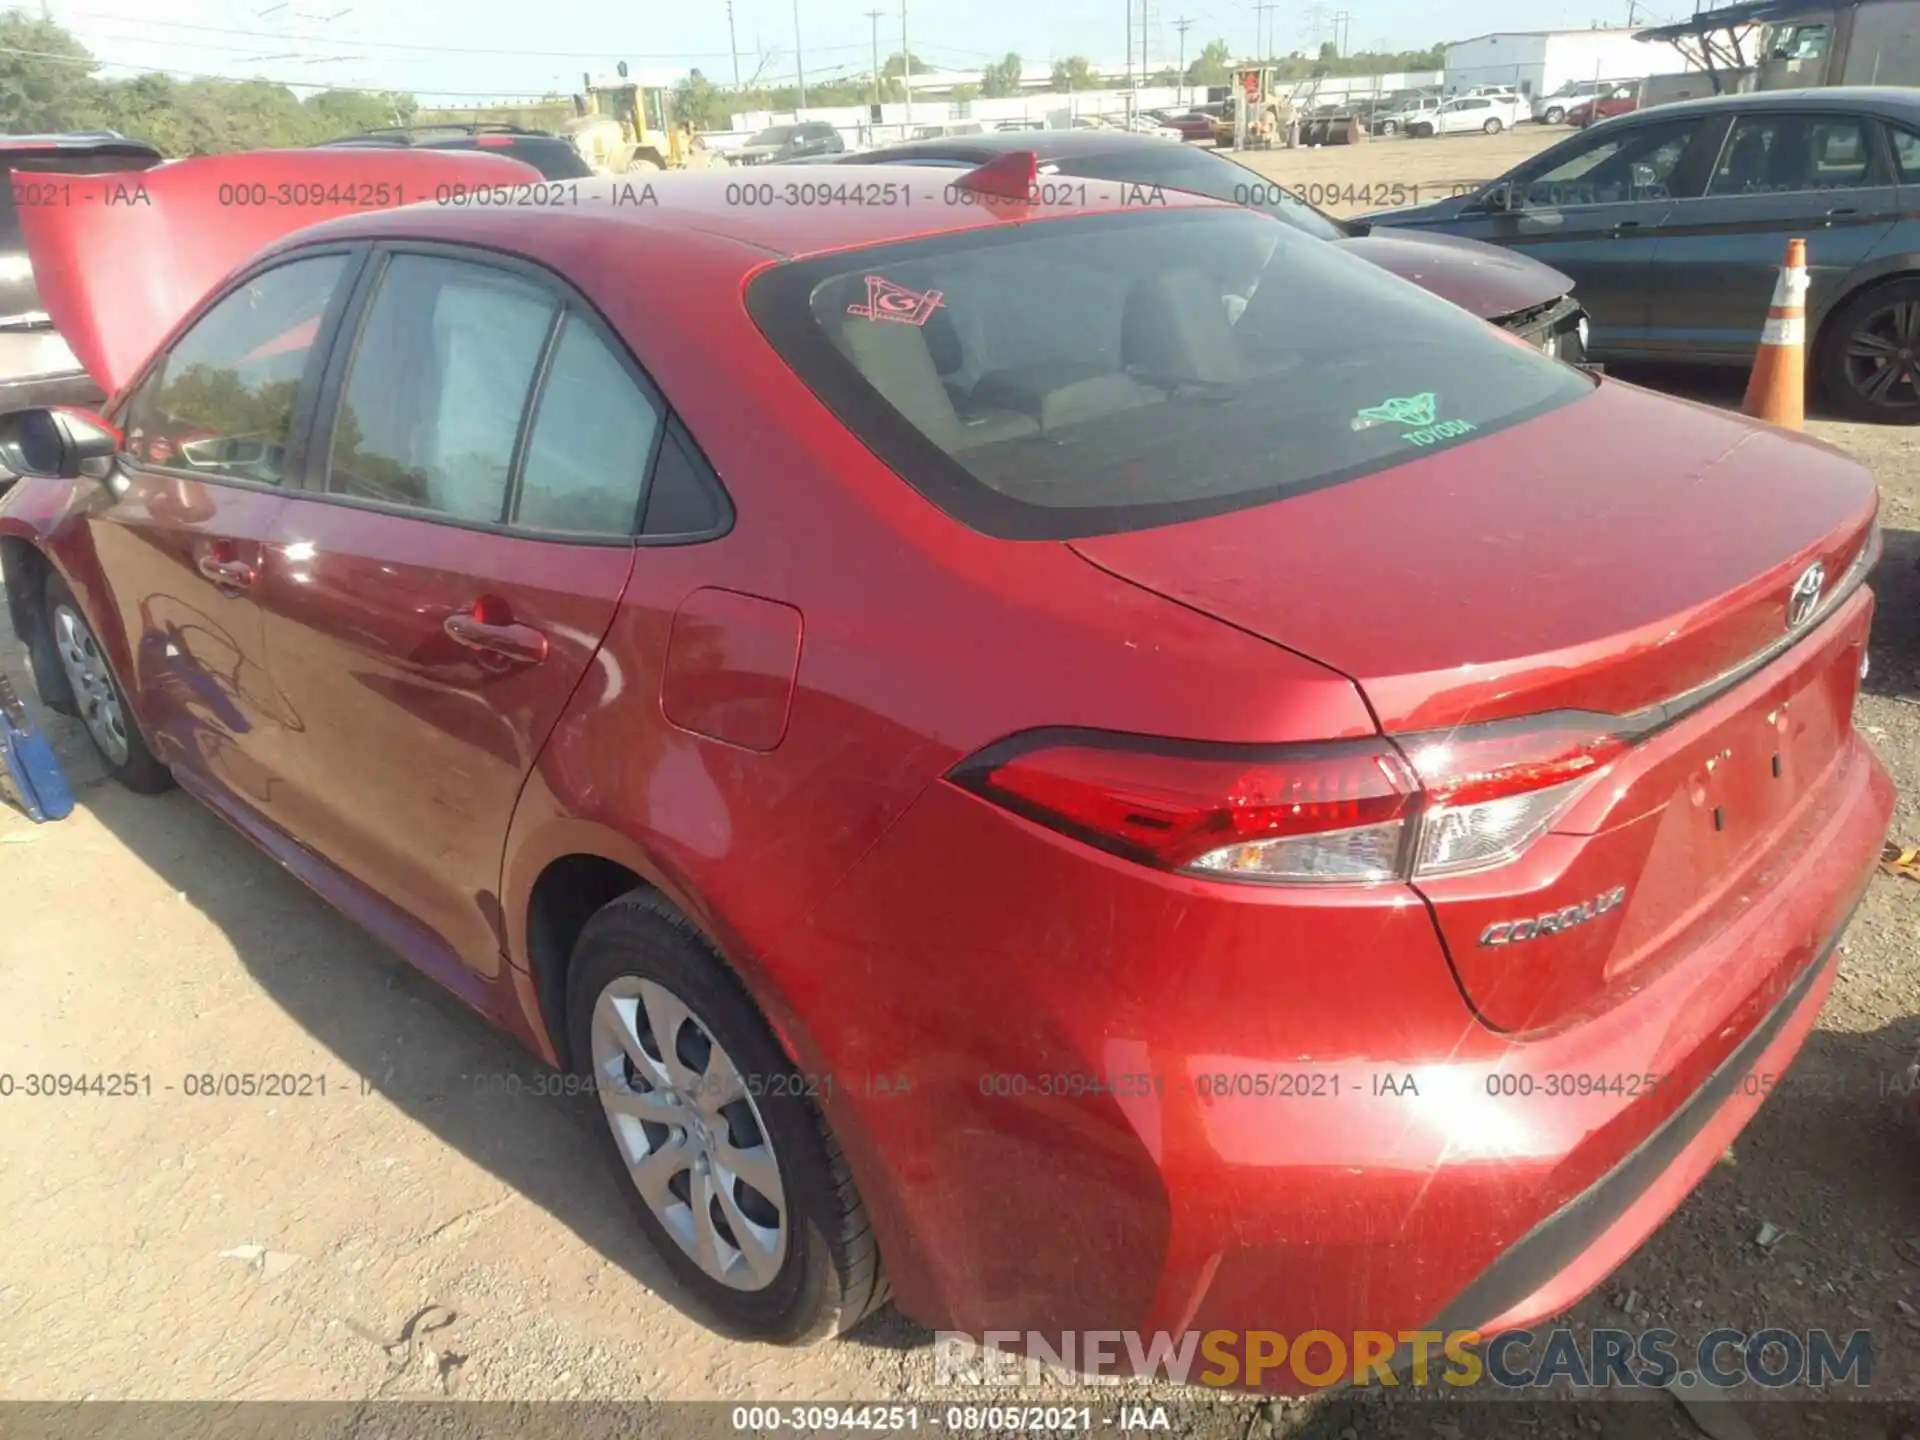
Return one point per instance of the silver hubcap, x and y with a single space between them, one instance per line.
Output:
690 1132
92 684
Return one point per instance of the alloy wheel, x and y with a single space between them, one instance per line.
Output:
686 1123
91 681
1882 357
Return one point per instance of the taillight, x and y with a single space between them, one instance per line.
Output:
1358 811
1492 790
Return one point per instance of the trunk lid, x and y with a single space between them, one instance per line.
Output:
1611 556
1607 556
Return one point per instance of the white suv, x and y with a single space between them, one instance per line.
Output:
1552 109
1490 113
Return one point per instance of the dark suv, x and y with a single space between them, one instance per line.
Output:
552 155
36 367
807 141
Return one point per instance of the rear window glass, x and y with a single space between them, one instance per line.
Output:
1086 375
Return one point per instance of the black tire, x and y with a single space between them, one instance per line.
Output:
139 771
1855 381
1555 114
1493 127
831 1278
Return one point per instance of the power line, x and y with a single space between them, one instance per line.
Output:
1262 49
146 69
431 49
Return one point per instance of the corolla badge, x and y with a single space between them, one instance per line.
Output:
1515 932
1804 598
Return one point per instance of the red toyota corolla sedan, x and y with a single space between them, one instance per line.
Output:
1099 763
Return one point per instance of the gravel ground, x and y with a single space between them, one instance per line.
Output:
172 1248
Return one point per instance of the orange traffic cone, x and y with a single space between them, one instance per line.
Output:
1777 392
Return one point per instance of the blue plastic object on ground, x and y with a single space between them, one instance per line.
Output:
31 766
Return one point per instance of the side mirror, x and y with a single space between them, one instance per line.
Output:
56 444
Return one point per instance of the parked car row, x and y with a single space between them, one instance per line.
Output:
1673 224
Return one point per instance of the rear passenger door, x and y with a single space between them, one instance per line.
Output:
1595 212
1824 176
443 582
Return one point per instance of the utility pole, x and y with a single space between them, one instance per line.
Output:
734 45
1183 25
1263 54
1146 71
874 16
1342 21
1129 44
906 61
799 69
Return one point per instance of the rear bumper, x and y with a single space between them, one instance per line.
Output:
1137 1102
1576 1247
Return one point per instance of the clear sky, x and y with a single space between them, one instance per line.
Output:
447 51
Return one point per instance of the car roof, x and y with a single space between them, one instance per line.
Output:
1892 102
692 210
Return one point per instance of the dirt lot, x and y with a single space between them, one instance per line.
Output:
169 1247
1390 174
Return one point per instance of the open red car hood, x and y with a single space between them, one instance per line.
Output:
1605 556
126 257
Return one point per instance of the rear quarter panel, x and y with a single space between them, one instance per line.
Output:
921 642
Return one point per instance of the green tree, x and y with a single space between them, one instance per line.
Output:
46 77
1075 72
698 99
1002 77
897 64
1213 65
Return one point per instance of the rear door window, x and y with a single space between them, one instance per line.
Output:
1784 154
1084 375
592 436
1906 154
440 379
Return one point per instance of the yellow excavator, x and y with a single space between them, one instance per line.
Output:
620 127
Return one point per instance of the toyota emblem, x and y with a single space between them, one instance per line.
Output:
1804 598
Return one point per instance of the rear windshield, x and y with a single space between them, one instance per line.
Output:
1093 374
